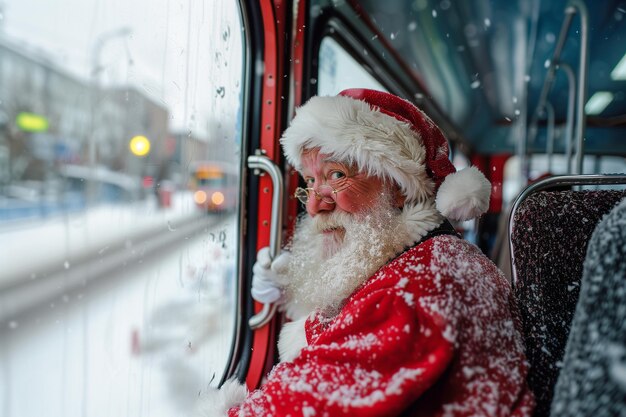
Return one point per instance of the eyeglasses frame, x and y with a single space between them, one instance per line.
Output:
330 199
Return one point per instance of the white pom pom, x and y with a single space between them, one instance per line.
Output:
217 402
464 195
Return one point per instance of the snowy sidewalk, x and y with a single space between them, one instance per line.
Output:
40 248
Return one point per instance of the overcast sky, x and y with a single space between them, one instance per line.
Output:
177 55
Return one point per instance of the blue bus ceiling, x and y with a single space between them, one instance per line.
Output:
484 63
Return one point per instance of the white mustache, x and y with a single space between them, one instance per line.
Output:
322 222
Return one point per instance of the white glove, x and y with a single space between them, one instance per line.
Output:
266 287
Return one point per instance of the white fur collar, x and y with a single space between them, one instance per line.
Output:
420 218
292 339
216 402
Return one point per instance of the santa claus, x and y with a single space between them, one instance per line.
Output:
392 312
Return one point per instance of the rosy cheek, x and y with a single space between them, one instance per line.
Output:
358 196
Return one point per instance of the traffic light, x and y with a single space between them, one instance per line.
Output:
139 145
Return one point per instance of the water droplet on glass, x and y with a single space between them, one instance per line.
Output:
475 84
434 13
221 91
13 324
487 22
226 34
66 265
517 112
393 35
547 63
412 26
313 81
374 37
170 227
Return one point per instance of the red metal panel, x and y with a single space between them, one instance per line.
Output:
493 168
297 62
274 15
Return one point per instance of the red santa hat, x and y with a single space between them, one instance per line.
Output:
391 138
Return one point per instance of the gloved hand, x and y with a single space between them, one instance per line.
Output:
266 280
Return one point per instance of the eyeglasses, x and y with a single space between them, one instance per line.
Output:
324 192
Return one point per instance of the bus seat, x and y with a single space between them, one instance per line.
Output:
549 243
593 379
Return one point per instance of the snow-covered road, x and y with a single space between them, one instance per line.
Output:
142 340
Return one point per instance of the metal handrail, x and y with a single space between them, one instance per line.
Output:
556 181
573 7
266 164
583 64
550 134
569 121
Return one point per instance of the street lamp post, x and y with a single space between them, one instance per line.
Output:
96 69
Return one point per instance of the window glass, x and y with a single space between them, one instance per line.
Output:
338 71
119 197
541 165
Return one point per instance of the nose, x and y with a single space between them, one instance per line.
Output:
315 205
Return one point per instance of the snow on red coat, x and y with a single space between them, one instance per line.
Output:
431 332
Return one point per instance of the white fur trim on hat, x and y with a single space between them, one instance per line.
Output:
464 194
351 130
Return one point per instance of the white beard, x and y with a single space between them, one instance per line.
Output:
324 271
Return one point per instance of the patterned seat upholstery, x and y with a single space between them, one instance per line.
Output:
550 236
592 382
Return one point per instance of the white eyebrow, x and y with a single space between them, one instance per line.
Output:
335 160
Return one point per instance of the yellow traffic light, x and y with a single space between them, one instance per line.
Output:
140 145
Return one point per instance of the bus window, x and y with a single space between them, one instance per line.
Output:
541 165
117 289
338 70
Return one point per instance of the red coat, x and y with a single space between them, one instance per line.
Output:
431 331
